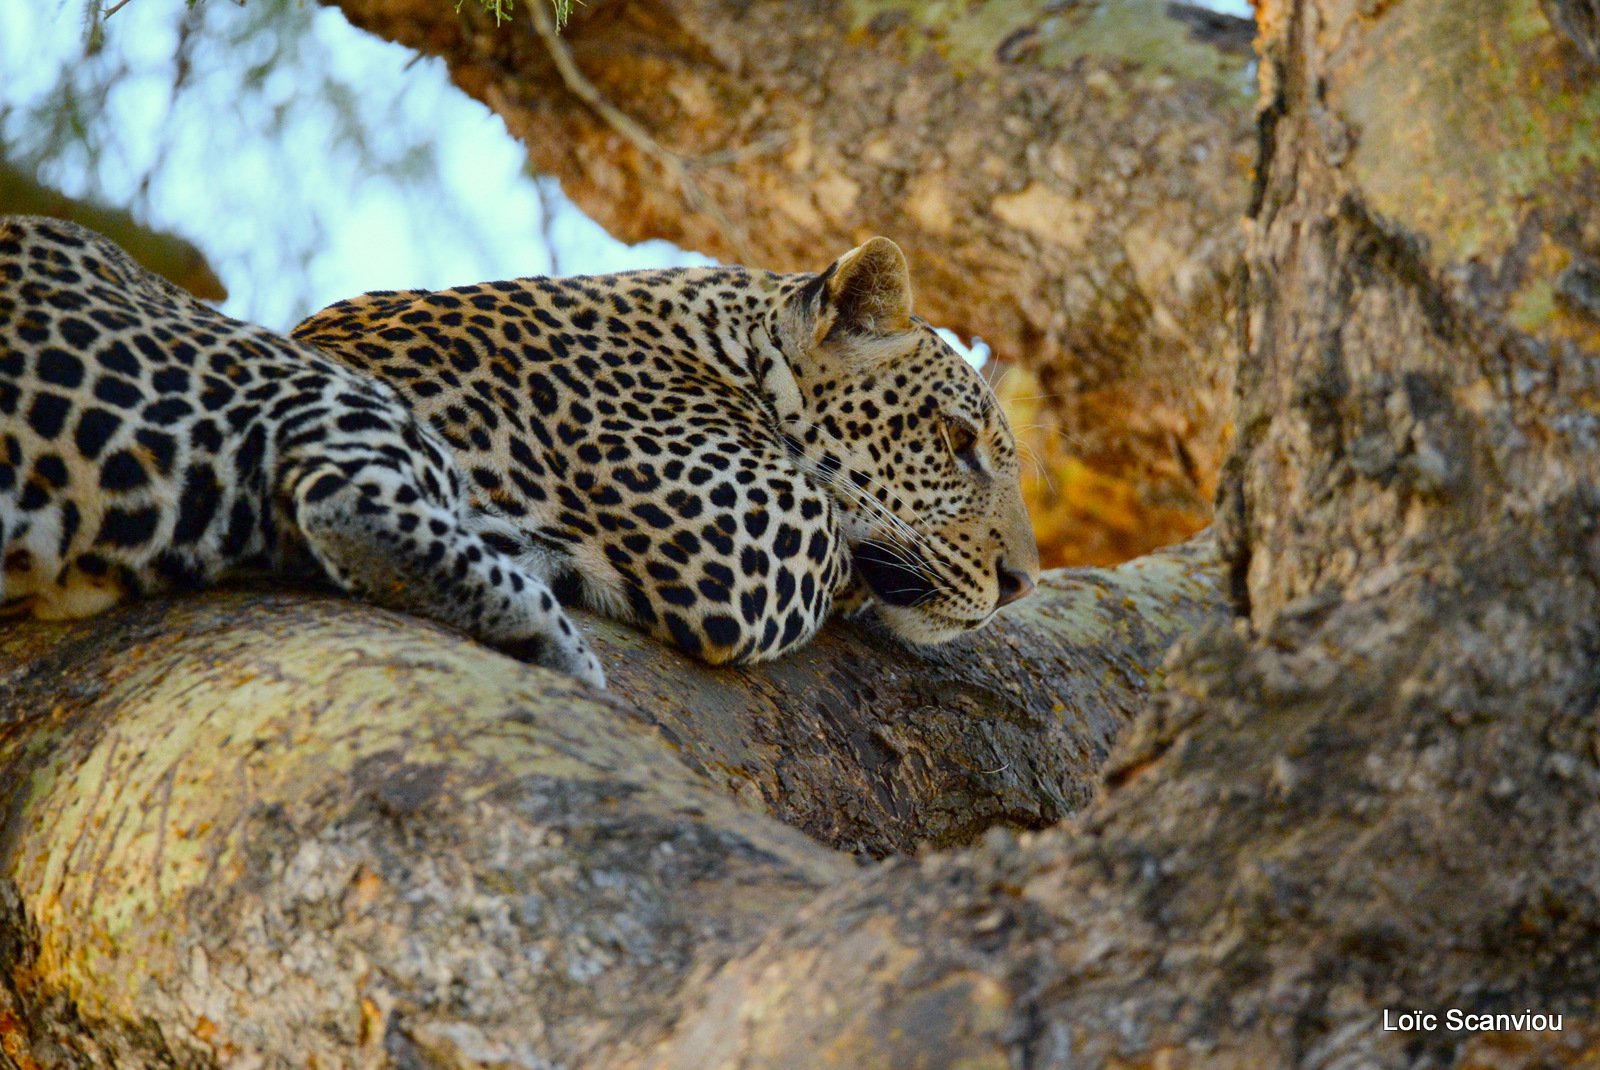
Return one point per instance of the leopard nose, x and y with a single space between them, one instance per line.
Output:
1014 584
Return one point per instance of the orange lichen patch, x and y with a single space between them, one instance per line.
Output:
372 1023
14 1042
365 887
1081 514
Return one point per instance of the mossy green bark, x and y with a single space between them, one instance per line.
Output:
222 831
1462 113
1139 33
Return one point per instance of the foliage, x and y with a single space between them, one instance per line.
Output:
138 111
501 10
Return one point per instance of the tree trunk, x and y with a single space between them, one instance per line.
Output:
269 829
1067 184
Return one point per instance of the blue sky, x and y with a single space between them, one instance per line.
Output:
318 208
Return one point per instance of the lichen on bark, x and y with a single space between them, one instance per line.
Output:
1376 786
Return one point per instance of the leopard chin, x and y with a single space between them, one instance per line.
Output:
908 595
898 576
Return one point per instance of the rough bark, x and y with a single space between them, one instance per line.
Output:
291 828
1066 179
874 747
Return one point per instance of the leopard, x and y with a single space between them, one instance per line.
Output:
722 456
150 443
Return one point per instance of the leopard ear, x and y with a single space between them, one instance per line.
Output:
867 291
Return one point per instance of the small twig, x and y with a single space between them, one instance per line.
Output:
114 8
759 147
678 168
547 212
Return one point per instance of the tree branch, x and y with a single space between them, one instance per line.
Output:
298 828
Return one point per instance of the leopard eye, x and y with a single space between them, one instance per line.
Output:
962 439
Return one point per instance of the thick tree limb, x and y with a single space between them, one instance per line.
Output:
293 828
874 746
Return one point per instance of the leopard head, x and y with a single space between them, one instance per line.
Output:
913 445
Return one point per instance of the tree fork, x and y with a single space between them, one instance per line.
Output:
1376 789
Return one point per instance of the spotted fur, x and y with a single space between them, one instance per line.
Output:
148 443
719 455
